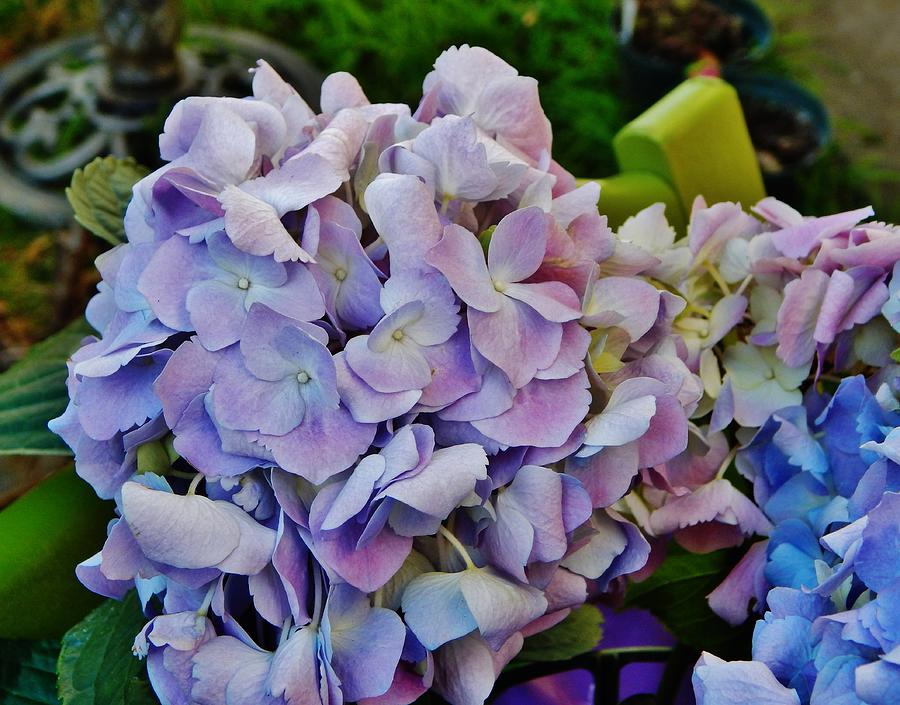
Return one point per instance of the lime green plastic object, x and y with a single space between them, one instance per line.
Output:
43 535
624 195
696 140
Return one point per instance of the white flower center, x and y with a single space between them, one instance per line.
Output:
303 377
243 283
499 287
397 335
340 274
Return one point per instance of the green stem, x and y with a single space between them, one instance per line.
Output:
723 468
717 277
317 604
696 309
460 549
195 483
207 600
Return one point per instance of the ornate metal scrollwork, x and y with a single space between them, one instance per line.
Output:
92 95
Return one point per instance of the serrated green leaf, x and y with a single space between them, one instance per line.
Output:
577 634
99 194
33 391
96 666
28 672
676 594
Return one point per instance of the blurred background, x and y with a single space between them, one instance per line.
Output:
818 80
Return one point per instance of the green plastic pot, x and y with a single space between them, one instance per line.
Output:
44 534
693 142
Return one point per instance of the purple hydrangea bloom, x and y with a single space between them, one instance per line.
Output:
282 383
408 398
361 526
414 394
347 279
448 156
536 513
349 650
472 81
421 314
210 287
517 326
718 682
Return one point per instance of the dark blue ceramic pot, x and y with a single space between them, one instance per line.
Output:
788 125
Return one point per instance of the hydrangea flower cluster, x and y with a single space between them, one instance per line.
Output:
340 363
741 317
827 475
378 394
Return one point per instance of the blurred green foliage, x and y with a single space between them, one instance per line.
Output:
26 282
391 44
568 45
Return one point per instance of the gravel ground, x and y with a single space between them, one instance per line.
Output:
850 55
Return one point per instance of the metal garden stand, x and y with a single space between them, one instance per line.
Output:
107 93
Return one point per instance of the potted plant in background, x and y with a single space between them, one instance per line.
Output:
660 39
661 42
788 125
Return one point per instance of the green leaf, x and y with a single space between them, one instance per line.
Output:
28 672
96 666
153 457
895 356
33 391
676 594
99 194
485 238
577 634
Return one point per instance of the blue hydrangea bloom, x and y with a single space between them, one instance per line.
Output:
831 632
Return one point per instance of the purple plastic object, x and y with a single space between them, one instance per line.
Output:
571 688
635 627
631 627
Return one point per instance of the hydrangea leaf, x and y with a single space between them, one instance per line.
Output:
96 666
33 391
895 356
485 238
28 672
676 595
99 194
577 634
